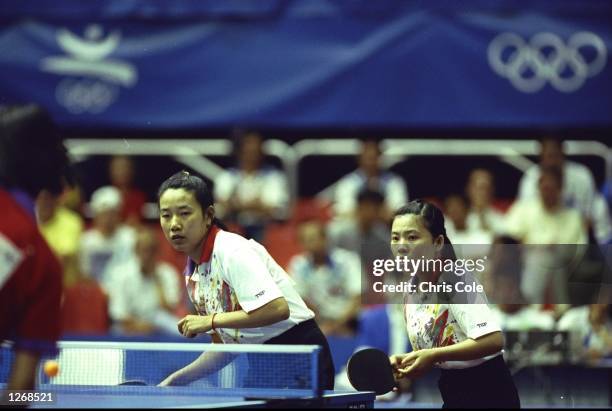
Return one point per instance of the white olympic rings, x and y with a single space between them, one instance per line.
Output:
529 68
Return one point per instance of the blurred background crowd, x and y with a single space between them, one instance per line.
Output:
121 276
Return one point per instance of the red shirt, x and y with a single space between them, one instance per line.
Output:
133 202
30 281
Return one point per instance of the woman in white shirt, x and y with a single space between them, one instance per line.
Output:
240 293
461 339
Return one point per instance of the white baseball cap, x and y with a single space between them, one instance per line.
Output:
105 198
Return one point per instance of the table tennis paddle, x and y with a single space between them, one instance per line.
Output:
133 382
370 370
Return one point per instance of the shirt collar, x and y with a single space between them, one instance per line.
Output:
207 248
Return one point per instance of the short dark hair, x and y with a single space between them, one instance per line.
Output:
192 183
32 154
373 196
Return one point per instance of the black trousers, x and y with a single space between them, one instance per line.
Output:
294 369
488 385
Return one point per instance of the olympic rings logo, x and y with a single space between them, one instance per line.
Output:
529 66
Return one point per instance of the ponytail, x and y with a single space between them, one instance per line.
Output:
219 224
448 252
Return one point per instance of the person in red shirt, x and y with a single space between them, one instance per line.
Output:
121 171
32 159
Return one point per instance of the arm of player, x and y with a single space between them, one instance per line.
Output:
275 311
24 371
416 363
205 364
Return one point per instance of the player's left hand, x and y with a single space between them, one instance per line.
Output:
416 363
192 325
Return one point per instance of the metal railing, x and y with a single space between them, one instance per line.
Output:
193 153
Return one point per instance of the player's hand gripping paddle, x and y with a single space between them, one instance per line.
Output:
370 370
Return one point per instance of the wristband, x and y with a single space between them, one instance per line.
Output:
212 322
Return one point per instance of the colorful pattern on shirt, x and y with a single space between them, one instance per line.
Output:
429 326
210 294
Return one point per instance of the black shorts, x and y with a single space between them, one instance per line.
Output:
488 385
305 333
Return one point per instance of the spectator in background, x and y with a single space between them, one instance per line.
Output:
72 198
503 287
365 228
62 228
601 224
109 241
328 279
502 276
590 329
547 221
482 215
144 293
469 241
370 175
523 317
121 171
606 191
364 234
252 194
578 189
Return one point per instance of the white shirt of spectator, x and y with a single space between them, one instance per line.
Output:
578 186
267 184
527 318
493 218
530 222
602 224
392 187
238 274
576 322
441 325
134 295
98 254
332 287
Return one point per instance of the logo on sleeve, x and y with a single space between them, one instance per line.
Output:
10 258
260 294
481 325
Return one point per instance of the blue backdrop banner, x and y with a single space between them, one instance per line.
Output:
310 63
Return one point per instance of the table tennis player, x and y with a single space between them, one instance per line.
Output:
32 159
241 295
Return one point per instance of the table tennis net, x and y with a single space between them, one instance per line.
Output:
248 370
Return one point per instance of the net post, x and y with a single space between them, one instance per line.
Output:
316 384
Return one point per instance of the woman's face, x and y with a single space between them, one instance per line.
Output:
410 238
182 221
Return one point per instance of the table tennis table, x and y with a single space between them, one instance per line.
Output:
176 397
125 374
